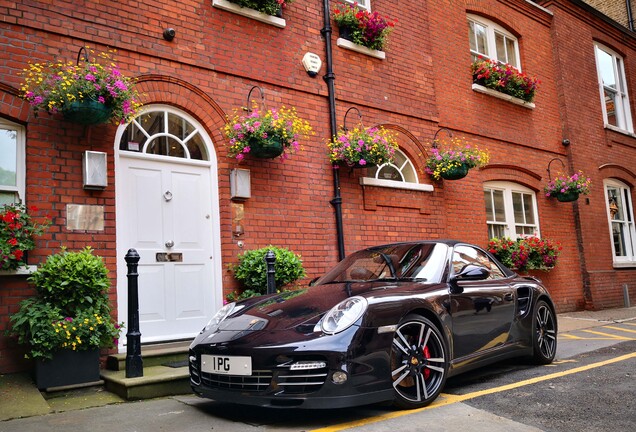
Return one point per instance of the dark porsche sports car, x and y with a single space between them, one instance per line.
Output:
388 323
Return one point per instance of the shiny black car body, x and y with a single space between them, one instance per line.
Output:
388 323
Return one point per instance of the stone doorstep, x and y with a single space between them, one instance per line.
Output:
152 355
158 378
157 381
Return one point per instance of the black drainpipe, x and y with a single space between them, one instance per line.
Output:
329 78
630 20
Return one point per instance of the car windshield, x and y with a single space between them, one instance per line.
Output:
422 262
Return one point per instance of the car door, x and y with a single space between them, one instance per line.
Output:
482 311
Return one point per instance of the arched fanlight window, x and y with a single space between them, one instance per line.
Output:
401 169
164 131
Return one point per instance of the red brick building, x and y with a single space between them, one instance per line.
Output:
419 86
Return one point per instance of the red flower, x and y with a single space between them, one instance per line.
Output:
12 241
18 254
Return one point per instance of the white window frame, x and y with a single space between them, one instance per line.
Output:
19 188
510 225
622 106
491 29
403 183
362 4
626 219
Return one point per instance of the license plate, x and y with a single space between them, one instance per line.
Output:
226 365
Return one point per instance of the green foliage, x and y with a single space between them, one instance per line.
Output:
17 234
72 280
72 308
235 296
269 7
252 268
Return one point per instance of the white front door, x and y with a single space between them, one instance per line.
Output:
167 210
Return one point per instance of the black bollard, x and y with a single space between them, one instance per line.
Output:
270 259
134 362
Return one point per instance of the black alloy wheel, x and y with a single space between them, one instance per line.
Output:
544 333
418 362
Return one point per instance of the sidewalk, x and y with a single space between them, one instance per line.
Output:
20 398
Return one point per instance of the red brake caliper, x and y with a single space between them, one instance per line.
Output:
427 355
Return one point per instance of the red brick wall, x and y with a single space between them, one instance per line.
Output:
424 83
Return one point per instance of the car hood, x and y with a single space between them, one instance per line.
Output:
303 307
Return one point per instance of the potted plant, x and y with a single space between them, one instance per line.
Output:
567 188
527 253
17 235
251 271
69 320
504 78
268 7
369 29
454 163
266 134
87 93
360 146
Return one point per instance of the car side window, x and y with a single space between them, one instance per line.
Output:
464 255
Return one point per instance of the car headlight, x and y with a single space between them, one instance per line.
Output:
224 312
343 315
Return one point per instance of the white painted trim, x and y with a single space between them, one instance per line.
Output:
370 181
619 130
249 13
530 2
24 270
347 44
494 93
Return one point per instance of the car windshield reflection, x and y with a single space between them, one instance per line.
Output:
422 262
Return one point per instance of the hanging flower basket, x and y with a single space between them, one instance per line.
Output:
88 92
456 172
87 112
361 147
266 148
454 162
266 134
567 188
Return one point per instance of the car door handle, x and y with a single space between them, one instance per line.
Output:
509 297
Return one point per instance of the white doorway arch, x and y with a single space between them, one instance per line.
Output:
167 208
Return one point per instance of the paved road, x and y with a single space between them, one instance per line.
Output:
589 388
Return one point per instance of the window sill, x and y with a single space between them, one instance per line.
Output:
249 13
619 130
347 44
494 93
621 265
370 181
21 271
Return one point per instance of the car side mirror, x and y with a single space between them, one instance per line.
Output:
472 272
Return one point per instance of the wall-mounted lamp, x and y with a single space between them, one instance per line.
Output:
448 131
240 188
169 34
312 64
94 170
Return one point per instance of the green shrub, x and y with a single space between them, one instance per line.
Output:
251 269
72 308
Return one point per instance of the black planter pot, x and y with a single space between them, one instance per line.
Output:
567 196
345 33
88 112
66 368
455 173
266 148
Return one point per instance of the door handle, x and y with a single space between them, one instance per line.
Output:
169 243
509 297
